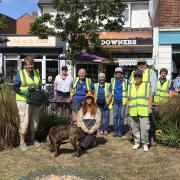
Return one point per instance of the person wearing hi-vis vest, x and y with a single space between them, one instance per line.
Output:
103 99
148 74
81 85
27 80
164 88
139 106
118 90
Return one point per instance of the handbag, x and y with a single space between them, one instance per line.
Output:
38 98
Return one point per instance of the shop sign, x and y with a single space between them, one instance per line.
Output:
126 42
31 41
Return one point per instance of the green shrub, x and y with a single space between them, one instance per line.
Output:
169 135
48 120
168 120
9 118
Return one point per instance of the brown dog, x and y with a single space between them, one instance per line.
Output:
59 133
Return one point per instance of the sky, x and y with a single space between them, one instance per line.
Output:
16 8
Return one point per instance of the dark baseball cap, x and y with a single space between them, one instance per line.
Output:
138 74
64 68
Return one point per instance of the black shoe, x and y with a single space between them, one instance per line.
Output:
115 134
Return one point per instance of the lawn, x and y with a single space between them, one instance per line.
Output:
113 158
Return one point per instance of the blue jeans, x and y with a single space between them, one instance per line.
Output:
105 119
118 110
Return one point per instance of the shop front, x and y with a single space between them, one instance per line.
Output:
45 53
169 51
126 48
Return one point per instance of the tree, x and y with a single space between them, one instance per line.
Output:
79 21
3 26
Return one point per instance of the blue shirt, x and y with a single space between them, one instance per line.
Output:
118 90
17 81
81 90
101 92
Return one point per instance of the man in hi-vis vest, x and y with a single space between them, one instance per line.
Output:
118 89
81 85
139 106
164 88
148 74
27 80
103 99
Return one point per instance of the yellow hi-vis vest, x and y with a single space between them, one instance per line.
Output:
106 90
88 85
162 93
27 82
138 99
146 76
124 93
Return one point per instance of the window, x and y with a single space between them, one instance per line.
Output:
51 70
91 69
11 70
126 16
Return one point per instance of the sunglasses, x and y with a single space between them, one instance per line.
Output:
141 63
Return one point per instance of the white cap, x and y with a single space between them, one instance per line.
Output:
118 69
101 75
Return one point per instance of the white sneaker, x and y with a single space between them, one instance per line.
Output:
136 146
145 147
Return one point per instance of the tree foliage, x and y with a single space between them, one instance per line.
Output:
78 22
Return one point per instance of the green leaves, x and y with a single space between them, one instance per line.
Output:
78 21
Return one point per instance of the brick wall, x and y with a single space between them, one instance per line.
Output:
169 13
23 23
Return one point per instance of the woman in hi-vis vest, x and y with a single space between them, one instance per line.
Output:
27 80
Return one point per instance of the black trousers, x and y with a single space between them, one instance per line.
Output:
88 140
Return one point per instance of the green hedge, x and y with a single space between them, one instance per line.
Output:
168 122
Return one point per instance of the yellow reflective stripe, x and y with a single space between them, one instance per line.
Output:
96 86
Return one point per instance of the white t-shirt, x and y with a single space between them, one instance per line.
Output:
63 85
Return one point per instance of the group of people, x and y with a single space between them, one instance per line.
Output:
91 102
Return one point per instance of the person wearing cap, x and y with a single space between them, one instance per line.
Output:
81 85
103 100
62 84
88 119
118 89
148 74
164 88
139 105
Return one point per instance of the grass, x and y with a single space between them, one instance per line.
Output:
113 158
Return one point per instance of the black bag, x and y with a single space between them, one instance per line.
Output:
38 98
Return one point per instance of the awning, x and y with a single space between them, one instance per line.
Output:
133 61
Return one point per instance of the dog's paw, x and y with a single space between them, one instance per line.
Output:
73 154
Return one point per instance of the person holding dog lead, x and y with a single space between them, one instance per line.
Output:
139 106
103 99
88 119
81 85
26 81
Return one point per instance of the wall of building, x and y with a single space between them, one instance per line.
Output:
165 58
169 13
24 22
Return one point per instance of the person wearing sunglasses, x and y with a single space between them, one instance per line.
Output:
148 74
139 105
